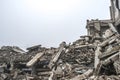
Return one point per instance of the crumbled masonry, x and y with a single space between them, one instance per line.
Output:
95 56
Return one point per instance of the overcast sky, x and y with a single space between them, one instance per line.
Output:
26 23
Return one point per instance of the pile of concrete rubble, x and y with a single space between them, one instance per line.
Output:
95 56
92 57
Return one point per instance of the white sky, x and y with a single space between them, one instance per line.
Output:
26 23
